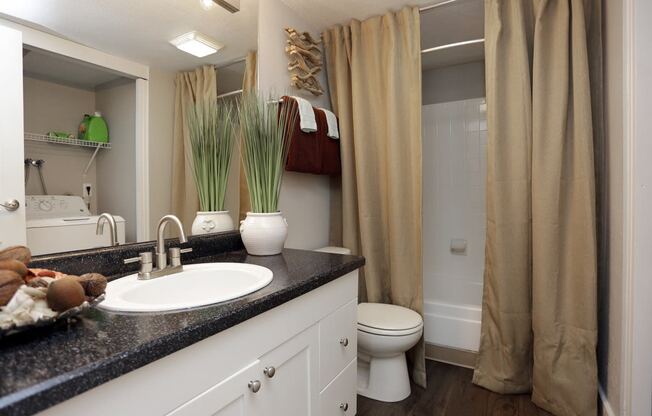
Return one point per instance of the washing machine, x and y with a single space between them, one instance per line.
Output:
57 223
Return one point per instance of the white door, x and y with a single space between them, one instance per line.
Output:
12 186
293 387
228 398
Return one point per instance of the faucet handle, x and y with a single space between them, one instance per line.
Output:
143 258
146 266
175 255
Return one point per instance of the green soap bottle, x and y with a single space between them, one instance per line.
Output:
97 130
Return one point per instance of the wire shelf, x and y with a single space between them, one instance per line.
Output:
71 142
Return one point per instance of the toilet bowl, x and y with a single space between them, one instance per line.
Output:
385 333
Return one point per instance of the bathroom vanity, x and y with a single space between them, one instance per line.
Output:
287 349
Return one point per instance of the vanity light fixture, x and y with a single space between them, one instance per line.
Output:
196 44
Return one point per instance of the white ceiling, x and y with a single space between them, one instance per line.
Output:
140 29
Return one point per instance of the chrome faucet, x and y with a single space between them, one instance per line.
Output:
147 271
113 228
161 258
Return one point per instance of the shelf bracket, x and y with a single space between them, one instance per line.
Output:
90 162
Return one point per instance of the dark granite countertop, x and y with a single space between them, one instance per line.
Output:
45 367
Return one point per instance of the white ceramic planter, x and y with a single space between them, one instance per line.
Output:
264 234
207 222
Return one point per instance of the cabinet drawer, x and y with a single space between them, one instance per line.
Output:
340 397
338 343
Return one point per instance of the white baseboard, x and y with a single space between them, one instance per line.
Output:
450 325
607 410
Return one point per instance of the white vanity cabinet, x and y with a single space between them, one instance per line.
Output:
279 384
298 359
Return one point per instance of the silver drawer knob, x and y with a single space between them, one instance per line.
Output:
344 406
344 342
269 371
254 386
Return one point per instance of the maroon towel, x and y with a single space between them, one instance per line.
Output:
314 152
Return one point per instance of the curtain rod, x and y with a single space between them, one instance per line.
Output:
434 6
228 94
452 45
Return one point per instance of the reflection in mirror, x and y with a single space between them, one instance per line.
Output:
80 131
99 129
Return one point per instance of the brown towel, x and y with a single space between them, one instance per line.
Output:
313 152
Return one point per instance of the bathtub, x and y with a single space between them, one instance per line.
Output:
452 325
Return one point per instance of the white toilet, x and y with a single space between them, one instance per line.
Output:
385 333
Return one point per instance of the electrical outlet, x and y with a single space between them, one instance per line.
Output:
87 190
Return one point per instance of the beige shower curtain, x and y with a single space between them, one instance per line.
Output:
374 75
191 87
539 328
248 84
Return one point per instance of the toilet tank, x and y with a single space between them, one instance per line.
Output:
334 250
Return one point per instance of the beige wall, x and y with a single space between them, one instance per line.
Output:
611 329
53 107
161 116
305 198
116 168
453 83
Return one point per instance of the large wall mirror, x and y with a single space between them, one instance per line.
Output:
91 115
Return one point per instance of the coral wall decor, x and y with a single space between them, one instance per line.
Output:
305 61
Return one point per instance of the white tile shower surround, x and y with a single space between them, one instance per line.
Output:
454 172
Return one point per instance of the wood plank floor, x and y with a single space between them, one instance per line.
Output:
451 393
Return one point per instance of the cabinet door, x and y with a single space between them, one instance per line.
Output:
293 388
12 185
339 397
230 397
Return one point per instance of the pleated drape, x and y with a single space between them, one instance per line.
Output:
248 84
199 85
539 318
374 75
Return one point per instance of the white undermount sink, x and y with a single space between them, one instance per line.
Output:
197 285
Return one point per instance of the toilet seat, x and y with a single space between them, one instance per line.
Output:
389 333
388 320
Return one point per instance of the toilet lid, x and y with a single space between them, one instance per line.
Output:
384 317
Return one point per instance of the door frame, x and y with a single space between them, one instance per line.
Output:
123 67
12 222
637 189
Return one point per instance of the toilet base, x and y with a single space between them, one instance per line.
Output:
384 379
